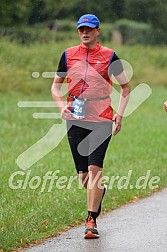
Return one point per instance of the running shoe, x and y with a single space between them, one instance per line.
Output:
104 193
91 229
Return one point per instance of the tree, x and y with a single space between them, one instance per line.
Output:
14 12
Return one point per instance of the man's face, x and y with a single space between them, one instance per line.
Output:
88 35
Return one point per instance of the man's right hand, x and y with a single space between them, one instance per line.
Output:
66 113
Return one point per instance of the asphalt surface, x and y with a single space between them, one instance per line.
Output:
138 227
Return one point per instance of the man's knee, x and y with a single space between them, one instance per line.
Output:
83 177
95 169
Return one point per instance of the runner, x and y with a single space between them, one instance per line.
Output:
88 68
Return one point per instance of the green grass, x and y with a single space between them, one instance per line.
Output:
28 215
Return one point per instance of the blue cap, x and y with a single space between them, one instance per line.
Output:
88 20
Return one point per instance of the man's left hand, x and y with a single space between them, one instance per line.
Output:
118 123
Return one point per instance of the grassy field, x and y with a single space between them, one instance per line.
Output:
28 215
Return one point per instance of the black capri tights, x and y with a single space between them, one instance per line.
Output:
88 142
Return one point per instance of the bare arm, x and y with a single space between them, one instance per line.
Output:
58 97
165 106
124 97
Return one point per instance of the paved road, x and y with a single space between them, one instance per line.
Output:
139 227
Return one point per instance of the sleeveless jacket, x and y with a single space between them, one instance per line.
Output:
87 77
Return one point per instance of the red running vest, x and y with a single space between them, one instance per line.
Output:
87 77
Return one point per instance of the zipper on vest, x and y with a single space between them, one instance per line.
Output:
86 70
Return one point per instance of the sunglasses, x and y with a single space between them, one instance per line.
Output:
86 28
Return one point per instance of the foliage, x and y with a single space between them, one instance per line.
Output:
25 35
35 11
134 32
17 12
62 30
153 12
30 12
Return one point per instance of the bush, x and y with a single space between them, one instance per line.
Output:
64 30
106 32
66 25
56 30
43 33
27 35
134 32
159 36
